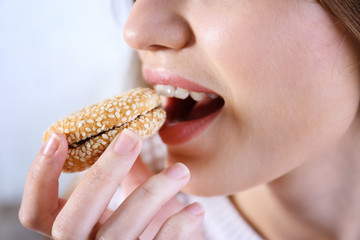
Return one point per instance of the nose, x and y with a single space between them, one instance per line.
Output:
157 24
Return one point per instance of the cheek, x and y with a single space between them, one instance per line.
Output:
286 80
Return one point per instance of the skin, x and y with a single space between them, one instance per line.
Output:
290 80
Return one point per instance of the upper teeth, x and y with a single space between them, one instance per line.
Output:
178 92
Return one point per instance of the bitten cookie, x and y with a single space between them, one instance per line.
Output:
90 130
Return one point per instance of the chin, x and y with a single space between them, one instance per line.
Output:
203 180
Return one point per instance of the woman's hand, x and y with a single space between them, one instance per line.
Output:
85 216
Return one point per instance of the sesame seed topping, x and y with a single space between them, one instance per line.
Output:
104 136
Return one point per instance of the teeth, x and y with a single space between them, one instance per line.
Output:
178 92
212 95
165 90
197 96
181 93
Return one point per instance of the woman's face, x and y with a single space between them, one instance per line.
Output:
287 74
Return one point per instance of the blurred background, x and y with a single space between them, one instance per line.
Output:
55 57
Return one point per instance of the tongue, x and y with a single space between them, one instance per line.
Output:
178 110
204 108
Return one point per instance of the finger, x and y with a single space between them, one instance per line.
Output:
183 225
89 200
41 203
143 204
168 209
138 174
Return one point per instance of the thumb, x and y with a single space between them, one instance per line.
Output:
138 174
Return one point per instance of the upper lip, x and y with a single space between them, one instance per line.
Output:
166 77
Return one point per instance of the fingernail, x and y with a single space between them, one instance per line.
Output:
177 171
126 141
51 145
195 209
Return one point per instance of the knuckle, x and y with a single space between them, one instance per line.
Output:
57 232
28 221
175 231
150 189
60 231
99 172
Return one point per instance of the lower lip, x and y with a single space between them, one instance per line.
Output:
182 132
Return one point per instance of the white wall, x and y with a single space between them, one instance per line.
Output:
55 57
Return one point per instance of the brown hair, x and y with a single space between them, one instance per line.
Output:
347 11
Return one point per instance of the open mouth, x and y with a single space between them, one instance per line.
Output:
188 112
183 105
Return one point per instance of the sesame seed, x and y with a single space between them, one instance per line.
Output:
90 120
88 129
124 119
127 113
104 136
67 131
112 115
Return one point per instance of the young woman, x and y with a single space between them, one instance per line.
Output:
276 89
